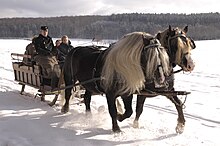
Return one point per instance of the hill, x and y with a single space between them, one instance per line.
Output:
204 26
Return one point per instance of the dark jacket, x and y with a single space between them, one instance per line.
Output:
43 45
63 50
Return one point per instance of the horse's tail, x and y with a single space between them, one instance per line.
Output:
61 84
61 79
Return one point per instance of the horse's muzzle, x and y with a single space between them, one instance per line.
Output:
188 64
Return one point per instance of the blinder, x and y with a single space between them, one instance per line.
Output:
193 45
159 78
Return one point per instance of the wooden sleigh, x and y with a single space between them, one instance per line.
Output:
30 75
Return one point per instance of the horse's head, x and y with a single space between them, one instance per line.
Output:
179 47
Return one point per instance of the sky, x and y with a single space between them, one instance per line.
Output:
54 8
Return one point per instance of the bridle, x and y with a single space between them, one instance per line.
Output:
172 52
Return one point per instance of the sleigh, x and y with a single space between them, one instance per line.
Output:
30 74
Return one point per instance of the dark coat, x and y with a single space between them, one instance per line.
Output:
43 45
45 57
63 50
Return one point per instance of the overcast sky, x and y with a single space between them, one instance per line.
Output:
48 8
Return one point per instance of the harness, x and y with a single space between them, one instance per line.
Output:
167 79
157 45
93 79
94 71
170 49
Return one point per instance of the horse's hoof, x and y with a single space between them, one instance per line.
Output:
120 117
180 128
51 104
42 99
116 130
135 124
88 114
64 110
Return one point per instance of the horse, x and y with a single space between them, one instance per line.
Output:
120 70
179 48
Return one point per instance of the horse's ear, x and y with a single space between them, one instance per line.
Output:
185 29
158 36
170 28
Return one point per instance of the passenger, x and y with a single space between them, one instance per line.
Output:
46 54
55 49
29 50
63 49
57 43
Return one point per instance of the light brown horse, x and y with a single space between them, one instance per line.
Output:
179 47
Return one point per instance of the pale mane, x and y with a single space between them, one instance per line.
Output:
155 57
122 64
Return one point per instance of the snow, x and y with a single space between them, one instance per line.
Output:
26 121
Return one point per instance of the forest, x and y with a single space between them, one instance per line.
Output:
203 26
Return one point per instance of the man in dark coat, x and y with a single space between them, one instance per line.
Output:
45 57
43 43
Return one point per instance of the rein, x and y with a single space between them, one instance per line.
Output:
77 84
177 71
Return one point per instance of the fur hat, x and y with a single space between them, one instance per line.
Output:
44 28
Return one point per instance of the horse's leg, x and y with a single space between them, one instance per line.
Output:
69 79
65 107
113 111
42 98
87 100
54 100
139 109
181 120
127 100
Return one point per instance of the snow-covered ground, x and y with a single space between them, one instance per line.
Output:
25 121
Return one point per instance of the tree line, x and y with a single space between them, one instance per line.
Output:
201 26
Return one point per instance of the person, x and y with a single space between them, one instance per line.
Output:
29 50
57 43
63 49
55 49
45 55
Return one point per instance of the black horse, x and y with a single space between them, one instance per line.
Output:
127 67
178 48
